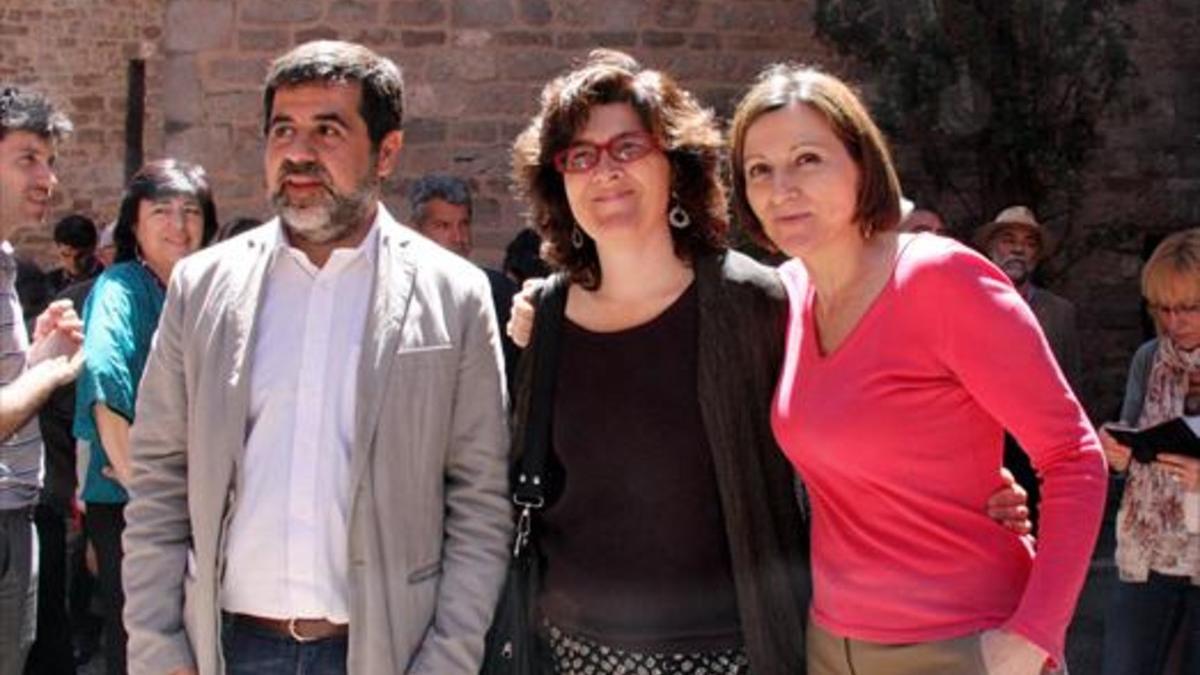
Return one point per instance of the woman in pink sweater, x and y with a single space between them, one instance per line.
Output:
907 358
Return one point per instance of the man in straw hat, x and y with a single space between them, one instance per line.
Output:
1017 242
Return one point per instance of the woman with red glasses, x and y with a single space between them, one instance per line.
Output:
1158 526
672 540
671 523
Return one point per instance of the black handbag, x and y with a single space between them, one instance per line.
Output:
513 645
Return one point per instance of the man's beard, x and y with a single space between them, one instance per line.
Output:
325 220
1018 269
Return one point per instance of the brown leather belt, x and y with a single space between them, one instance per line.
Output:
300 630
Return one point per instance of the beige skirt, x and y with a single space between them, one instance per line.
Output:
829 654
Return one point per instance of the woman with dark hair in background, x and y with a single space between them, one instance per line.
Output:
166 213
907 357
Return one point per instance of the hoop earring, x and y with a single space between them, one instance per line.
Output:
676 215
576 237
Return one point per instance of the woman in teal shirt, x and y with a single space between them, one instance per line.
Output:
166 213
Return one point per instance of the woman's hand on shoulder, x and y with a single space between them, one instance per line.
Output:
520 322
1007 653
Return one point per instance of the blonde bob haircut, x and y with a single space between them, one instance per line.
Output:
1172 274
785 84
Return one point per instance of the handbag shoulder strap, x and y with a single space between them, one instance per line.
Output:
529 486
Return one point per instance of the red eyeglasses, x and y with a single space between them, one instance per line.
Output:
582 156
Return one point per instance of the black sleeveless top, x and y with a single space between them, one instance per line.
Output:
634 541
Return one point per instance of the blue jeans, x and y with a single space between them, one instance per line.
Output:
1142 621
252 650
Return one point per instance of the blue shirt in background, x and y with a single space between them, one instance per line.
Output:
119 319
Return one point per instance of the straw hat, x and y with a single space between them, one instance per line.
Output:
1013 216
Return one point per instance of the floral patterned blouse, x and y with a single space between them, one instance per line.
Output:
1158 525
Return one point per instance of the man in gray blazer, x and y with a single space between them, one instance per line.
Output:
320 447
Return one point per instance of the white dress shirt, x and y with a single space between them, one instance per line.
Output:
286 553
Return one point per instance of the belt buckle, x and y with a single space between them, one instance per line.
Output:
291 626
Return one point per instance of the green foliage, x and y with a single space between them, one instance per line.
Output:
999 100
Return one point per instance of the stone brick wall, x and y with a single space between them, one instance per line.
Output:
1147 176
1144 180
78 51
473 69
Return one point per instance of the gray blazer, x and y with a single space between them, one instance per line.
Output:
430 521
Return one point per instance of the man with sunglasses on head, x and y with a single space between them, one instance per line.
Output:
320 453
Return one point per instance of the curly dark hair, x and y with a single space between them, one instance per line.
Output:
685 130
156 180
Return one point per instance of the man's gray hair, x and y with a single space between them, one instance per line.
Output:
27 110
450 189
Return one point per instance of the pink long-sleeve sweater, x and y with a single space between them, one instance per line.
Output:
898 434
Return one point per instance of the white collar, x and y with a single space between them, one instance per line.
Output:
278 242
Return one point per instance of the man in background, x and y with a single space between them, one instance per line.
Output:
75 240
440 208
30 130
924 220
1016 242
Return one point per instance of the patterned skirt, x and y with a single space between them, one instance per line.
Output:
577 655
